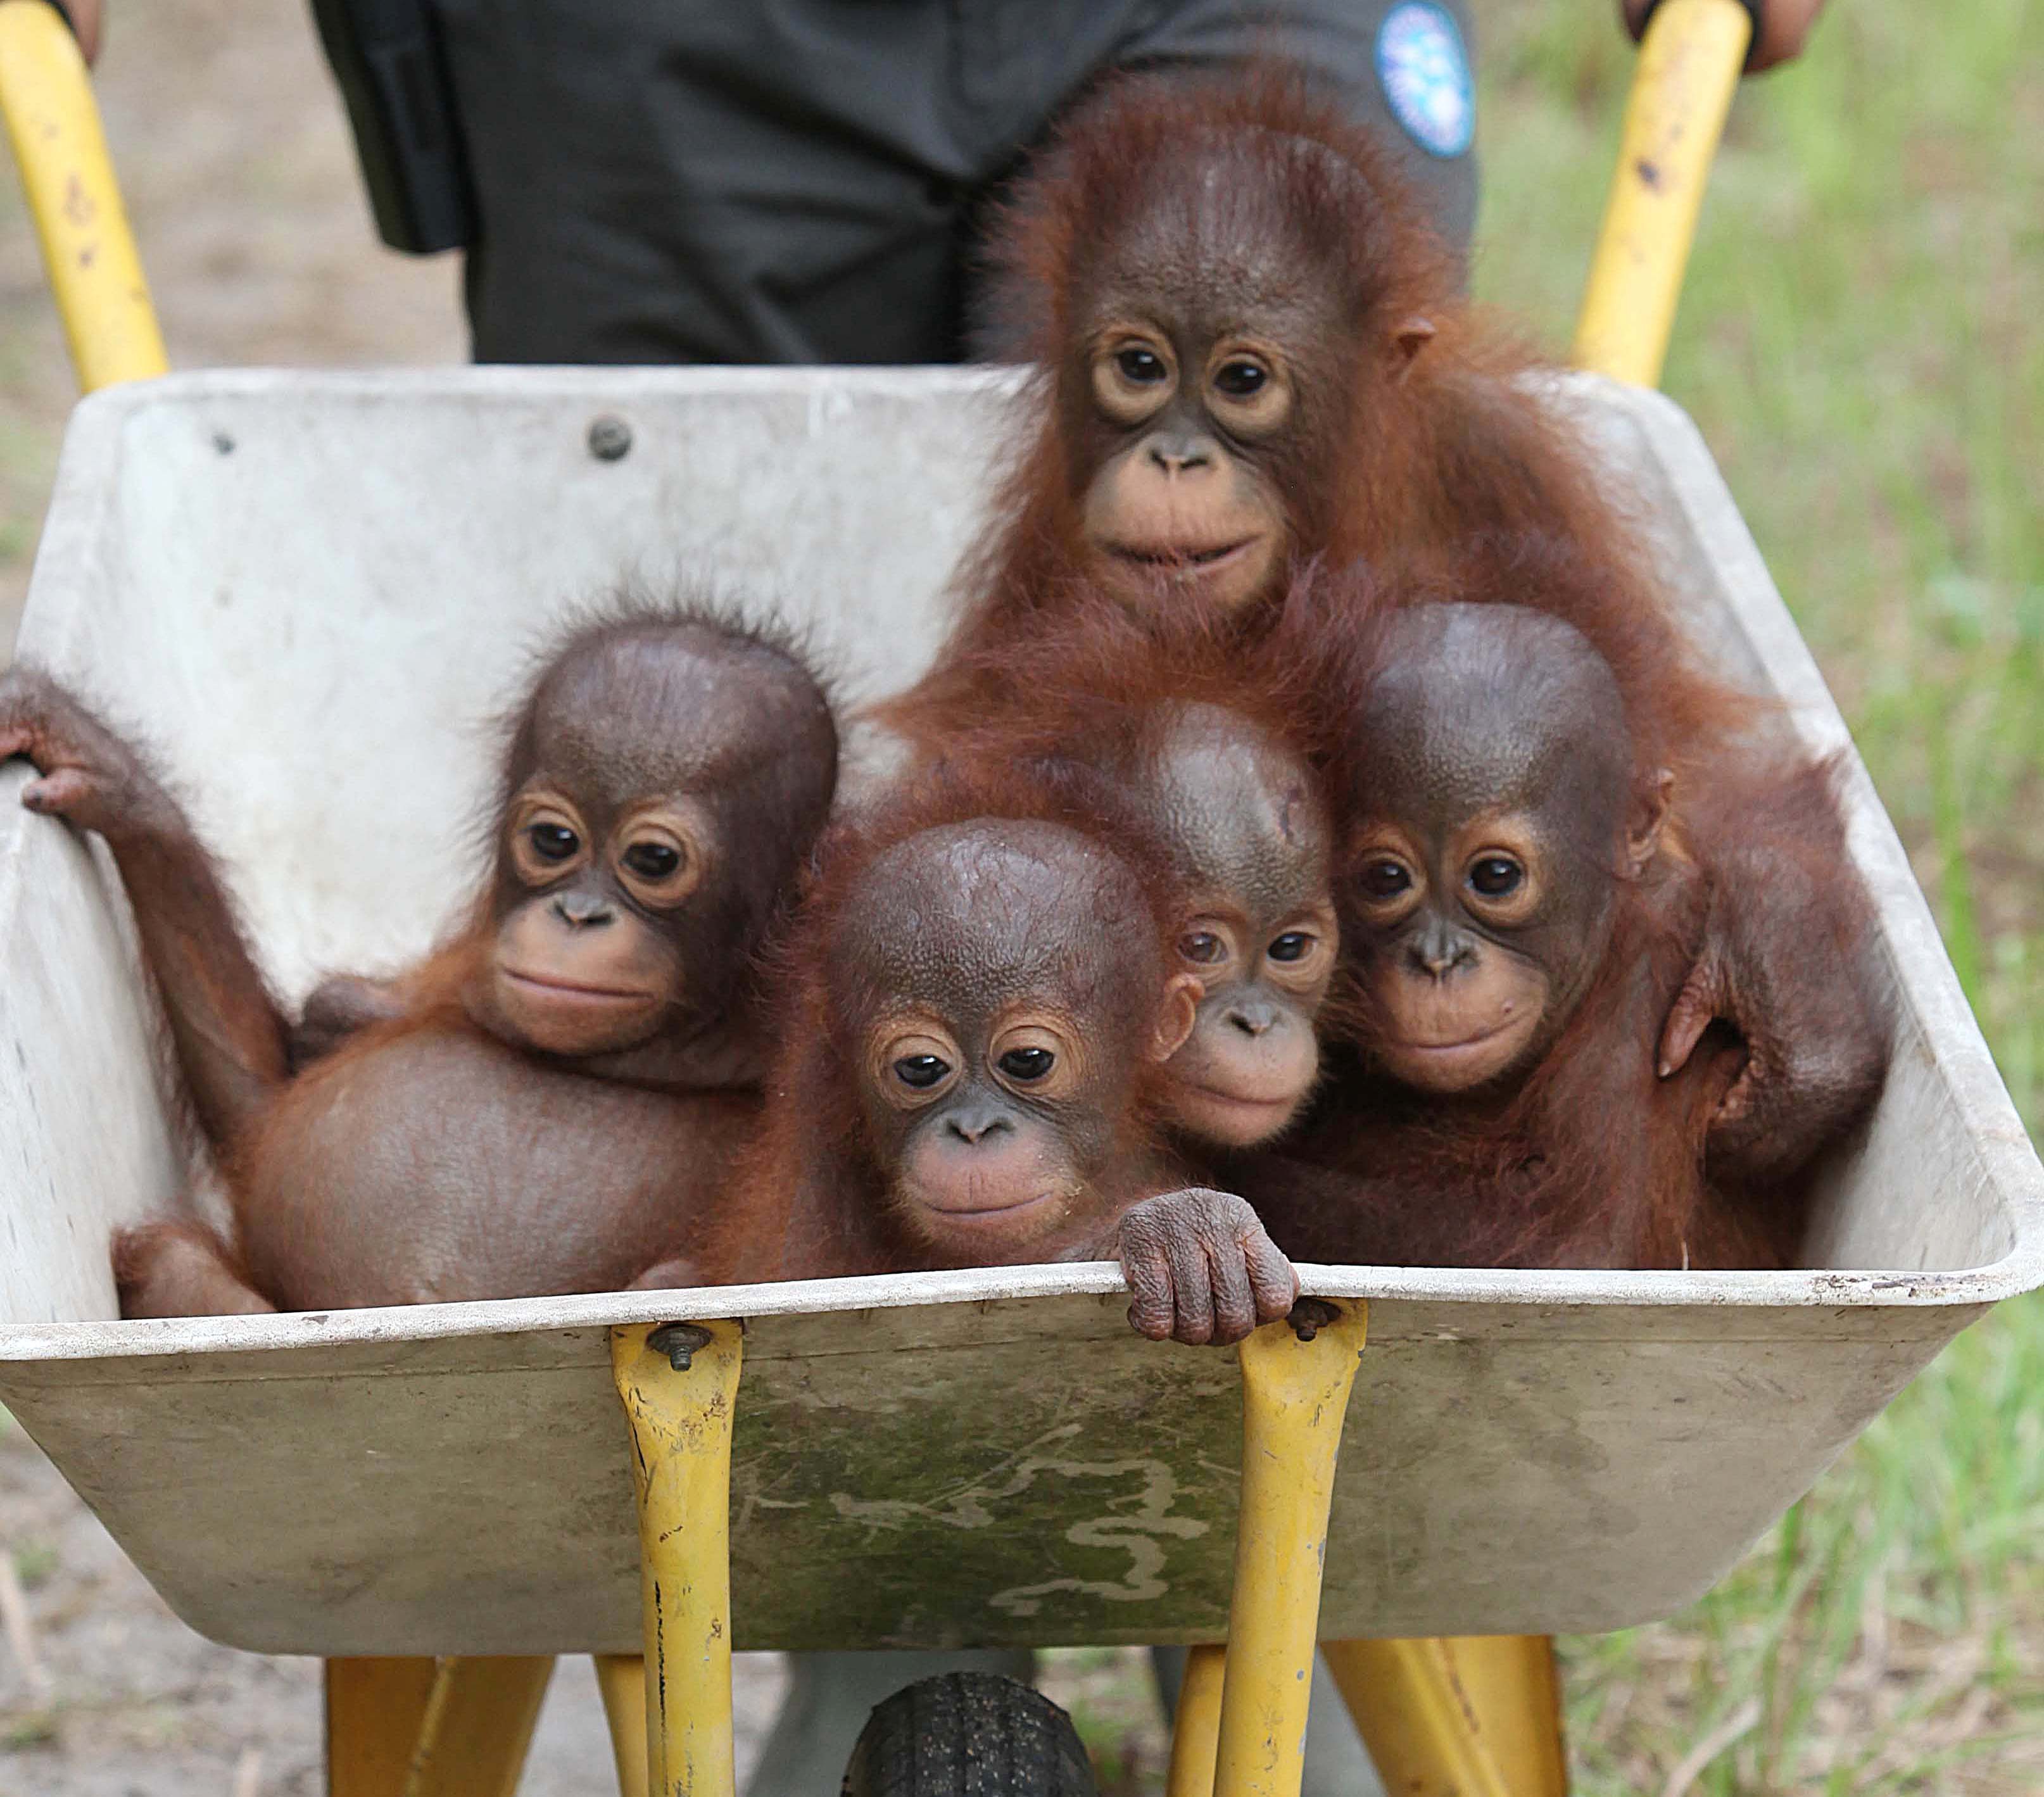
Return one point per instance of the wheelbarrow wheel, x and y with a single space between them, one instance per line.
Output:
969 1734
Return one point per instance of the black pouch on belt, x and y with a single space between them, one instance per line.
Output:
392 68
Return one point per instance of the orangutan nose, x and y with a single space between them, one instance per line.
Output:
1253 1018
581 910
1437 950
974 1122
1178 452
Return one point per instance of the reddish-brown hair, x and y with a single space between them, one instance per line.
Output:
1455 472
804 1200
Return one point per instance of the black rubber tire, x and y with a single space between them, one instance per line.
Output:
969 1734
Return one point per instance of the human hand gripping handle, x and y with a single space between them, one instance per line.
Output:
1689 64
86 22
1780 28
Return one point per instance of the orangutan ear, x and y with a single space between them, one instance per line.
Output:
1176 1016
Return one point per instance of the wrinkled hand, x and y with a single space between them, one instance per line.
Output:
1733 982
89 774
1816 1026
1784 25
1708 997
336 1009
1202 1268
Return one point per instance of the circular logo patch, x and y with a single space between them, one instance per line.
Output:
1426 77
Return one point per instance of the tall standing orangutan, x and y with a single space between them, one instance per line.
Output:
1522 915
1250 351
558 1097
977 1008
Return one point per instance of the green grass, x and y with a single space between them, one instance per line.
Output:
1112 1697
1859 341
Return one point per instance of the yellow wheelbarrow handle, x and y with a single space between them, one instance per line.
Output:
1689 64
95 275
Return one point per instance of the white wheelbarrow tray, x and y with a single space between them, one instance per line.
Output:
309 590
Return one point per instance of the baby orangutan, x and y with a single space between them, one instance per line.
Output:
1179 743
561 1091
1250 352
969 1078
1520 920
1240 818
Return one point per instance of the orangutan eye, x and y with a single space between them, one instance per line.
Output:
553 842
1241 380
1386 879
1294 945
921 1071
1026 1064
1496 875
1141 367
653 860
1203 948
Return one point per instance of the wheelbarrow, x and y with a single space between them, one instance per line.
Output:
307 589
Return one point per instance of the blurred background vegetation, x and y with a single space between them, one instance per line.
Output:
1859 341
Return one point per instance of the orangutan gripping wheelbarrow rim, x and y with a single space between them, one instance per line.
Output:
309 590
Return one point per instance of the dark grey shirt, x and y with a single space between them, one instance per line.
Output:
806 180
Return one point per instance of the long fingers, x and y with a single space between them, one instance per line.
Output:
59 792
1191 1282
1234 1296
1696 1005
1165 1262
1151 1312
1763 1073
1273 1278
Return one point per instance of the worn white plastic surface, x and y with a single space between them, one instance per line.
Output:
312 591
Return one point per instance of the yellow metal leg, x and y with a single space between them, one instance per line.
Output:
375 1708
1689 64
95 273
478 1724
1515 1688
1196 1727
1294 1397
681 1467
622 1677
1472 1716
431 1728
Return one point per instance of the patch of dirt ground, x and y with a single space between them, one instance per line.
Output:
104 1693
